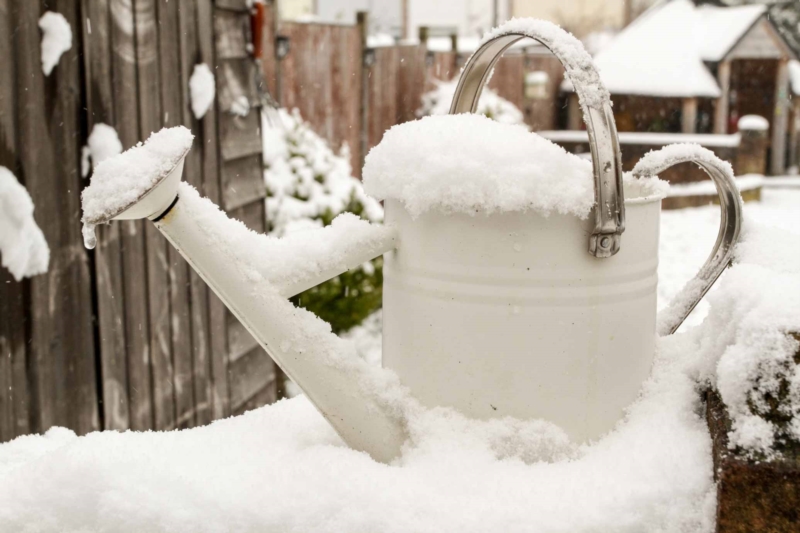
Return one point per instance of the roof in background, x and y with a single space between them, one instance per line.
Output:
662 53
718 29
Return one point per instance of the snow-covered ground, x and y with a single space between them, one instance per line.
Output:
282 467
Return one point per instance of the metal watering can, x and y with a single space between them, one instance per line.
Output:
539 329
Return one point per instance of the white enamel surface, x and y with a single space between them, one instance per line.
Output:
156 200
509 314
332 390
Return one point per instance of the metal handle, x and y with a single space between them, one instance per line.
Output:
670 319
609 212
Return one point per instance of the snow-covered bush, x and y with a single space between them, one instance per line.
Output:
308 184
437 102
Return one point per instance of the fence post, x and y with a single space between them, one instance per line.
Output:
362 21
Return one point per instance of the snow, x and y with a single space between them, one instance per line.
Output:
282 467
23 248
468 44
753 122
652 163
660 139
296 256
794 76
240 106
654 56
782 182
56 39
121 180
305 179
718 29
378 40
577 62
747 182
662 53
437 102
202 89
103 143
469 163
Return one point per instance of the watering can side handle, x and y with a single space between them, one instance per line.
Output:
609 212
731 212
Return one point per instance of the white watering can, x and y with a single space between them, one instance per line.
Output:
581 337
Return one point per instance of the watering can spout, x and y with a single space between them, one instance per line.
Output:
213 245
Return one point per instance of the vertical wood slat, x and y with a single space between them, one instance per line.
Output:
241 185
107 255
321 77
218 341
151 118
14 413
126 114
198 292
62 350
170 78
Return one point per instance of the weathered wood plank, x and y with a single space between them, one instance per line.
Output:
251 215
263 397
321 77
190 56
107 256
236 87
172 95
236 5
239 136
250 374
231 31
63 378
151 118
242 182
14 418
218 341
126 114
239 339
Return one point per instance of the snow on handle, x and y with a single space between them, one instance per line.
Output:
579 65
731 207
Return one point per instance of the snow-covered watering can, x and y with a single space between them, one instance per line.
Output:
509 289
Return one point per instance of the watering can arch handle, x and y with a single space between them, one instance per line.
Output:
730 225
609 212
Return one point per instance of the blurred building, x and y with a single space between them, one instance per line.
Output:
683 67
402 18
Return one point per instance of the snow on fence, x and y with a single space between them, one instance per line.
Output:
125 336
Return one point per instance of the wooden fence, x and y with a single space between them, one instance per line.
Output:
351 93
126 336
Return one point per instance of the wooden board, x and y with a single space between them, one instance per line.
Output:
14 413
151 118
134 271
193 174
321 77
243 183
218 342
251 374
239 136
107 258
63 378
172 95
